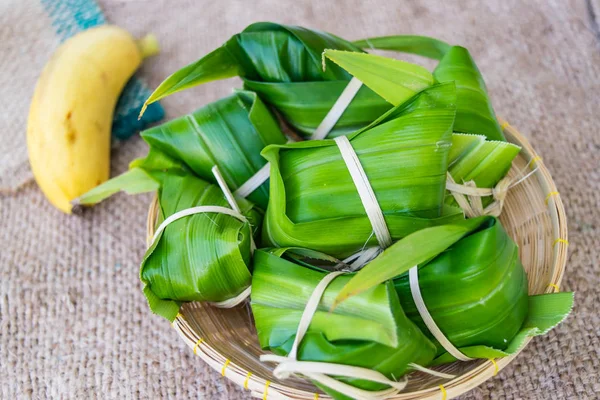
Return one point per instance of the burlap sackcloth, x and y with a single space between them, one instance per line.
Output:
73 320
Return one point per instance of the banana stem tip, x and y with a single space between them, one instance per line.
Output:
148 45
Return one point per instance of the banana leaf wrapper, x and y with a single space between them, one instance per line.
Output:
229 133
476 290
284 65
474 111
472 158
545 312
370 331
314 202
473 285
201 257
305 104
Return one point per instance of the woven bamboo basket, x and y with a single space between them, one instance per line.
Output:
534 217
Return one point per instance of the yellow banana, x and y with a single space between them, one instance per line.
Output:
70 118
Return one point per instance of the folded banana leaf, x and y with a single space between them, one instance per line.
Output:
369 331
229 133
201 257
420 45
305 104
473 285
416 248
474 111
476 290
545 311
471 158
314 202
284 65
484 162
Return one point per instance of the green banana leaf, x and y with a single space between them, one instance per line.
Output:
229 133
397 80
406 253
419 45
369 331
475 290
485 162
201 257
471 158
473 284
545 311
264 51
314 202
305 104
284 65
474 111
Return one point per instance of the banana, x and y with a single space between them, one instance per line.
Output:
71 113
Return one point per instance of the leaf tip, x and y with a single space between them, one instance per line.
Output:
143 110
339 300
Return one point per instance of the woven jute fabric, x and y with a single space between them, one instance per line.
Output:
73 320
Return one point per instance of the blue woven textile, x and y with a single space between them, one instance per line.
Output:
72 16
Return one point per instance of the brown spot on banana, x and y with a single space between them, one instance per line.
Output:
71 134
71 137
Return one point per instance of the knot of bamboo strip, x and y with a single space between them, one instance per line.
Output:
469 196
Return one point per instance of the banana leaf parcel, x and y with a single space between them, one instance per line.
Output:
283 64
474 111
206 256
472 158
314 202
476 290
229 133
370 331
473 286
200 257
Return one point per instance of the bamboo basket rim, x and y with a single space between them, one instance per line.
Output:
484 370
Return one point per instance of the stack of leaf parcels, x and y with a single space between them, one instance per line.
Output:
409 129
